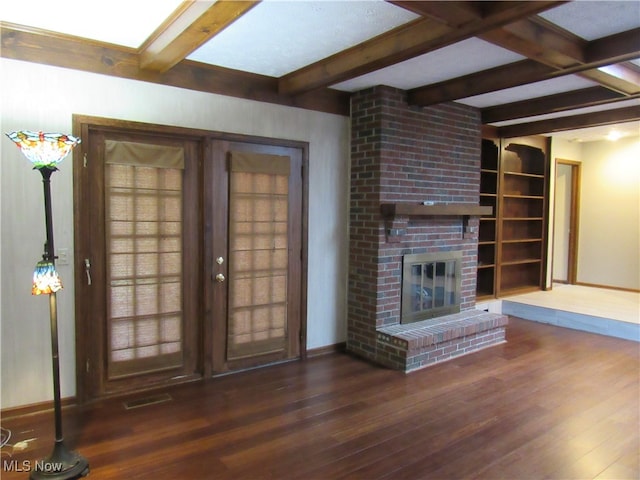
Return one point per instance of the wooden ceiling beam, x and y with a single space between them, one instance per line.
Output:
542 41
559 102
486 81
539 40
618 78
39 46
190 26
605 117
614 48
606 51
455 14
407 41
402 43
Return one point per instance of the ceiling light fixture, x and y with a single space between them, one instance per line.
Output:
614 135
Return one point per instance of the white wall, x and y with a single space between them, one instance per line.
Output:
609 222
609 242
36 97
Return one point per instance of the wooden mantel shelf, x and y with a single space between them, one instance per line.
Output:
451 209
394 212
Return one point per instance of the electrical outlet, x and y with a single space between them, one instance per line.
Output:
63 256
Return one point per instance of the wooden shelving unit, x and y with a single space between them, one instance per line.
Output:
487 236
512 243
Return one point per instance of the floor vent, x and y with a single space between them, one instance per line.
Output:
146 401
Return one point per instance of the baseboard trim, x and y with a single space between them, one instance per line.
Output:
608 287
328 349
35 408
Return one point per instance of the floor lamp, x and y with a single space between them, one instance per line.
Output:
45 151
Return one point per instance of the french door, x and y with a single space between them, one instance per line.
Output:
188 255
255 256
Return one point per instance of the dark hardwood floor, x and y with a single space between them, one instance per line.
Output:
550 403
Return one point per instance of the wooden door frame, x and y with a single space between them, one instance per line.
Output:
574 221
82 124
90 367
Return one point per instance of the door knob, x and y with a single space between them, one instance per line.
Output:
219 278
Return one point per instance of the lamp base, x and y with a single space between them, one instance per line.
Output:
62 464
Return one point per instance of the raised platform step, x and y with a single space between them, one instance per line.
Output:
412 346
610 327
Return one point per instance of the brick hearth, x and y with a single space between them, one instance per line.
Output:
420 344
403 154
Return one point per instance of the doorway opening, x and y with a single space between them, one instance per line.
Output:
566 221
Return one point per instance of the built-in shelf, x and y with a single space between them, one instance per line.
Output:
450 209
511 247
521 262
523 174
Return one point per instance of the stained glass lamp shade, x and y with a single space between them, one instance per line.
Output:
45 279
44 150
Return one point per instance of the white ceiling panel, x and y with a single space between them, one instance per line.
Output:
470 56
277 37
120 22
532 90
595 19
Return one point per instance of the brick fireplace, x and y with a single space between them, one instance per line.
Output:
414 172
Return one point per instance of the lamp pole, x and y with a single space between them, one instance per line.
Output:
62 464
49 255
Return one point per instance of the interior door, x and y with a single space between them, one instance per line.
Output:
255 209
137 237
565 228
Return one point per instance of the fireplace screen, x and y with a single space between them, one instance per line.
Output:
430 285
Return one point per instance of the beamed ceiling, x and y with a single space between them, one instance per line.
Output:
531 67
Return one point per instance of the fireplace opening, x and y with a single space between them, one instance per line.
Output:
430 285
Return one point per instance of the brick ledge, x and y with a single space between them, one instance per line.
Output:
416 345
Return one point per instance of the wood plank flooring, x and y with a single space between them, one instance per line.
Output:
550 403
